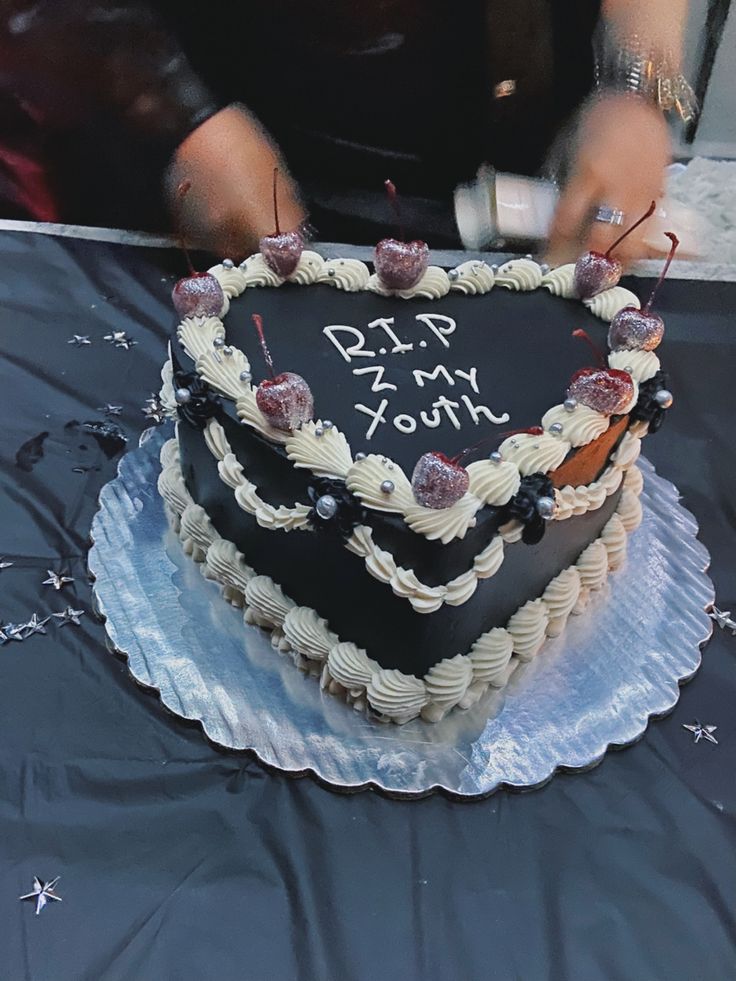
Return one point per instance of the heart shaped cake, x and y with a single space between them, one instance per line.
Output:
412 486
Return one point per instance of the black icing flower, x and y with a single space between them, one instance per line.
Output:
523 506
335 510
648 408
195 400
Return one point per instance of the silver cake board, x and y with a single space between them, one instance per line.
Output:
593 688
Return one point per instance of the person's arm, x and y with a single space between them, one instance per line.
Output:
622 143
229 161
69 62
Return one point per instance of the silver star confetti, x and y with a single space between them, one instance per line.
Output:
35 626
154 410
119 338
4 564
11 631
79 340
723 619
110 410
68 616
42 892
700 731
57 579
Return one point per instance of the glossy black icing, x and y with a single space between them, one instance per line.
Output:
524 352
520 343
318 571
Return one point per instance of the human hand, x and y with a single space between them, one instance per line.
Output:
623 147
229 162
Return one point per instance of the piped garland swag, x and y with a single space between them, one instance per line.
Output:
345 669
379 484
334 512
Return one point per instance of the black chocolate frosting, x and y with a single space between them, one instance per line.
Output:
523 349
520 343
318 571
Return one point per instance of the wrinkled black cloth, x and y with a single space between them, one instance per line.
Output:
180 862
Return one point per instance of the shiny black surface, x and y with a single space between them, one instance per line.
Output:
320 573
181 862
522 348
520 344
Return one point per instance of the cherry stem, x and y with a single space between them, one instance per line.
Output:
275 199
394 199
619 240
181 192
675 243
258 321
585 336
532 431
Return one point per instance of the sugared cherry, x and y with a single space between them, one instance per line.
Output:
438 482
281 251
399 264
285 400
641 330
598 271
199 294
607 390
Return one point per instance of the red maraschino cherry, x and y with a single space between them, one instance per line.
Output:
285 399
598 271
641 330
399 264
281 251
607 390
438 481
199 294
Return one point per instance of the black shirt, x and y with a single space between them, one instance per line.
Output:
421 91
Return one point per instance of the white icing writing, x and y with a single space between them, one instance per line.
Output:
399 346
378 384
471 377
351 343
356 350
419 375
376 416
476 411
441 333
405 423
433 421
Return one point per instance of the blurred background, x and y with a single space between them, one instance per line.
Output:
97 99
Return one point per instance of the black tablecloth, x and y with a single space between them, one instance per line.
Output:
181 862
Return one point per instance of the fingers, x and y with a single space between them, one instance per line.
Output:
602 235
574 208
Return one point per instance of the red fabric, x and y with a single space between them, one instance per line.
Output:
32 188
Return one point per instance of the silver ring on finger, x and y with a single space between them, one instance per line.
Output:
609 216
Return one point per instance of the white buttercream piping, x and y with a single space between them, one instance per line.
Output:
494 483
471 278
433 285
560 281
608 303
641 365
519 274
227 370
534 454
348 670
578 427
